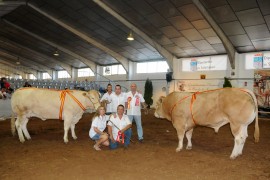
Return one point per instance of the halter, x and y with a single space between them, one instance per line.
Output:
92 101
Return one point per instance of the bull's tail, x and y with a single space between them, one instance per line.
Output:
12 123
257 130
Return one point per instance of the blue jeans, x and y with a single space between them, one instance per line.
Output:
96 137
128 134
138 121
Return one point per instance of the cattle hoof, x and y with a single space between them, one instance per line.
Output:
178 149
65 141
188 147
75 138
232 157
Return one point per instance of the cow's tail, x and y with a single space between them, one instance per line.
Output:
12 123
257 130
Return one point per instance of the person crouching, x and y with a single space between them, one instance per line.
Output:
98 126
119 129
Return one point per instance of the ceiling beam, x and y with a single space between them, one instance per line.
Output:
124 61
12 3
28 70
226 42
86 61
8 6
11 59
164 52
49 71
6 73
63 65
11 70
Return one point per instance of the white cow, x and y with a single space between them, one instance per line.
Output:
68 105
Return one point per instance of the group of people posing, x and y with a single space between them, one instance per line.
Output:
120 111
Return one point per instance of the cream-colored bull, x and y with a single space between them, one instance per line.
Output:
68 105
213 109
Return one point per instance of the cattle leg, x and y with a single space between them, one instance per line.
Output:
189 136
180 133
67 124
243 137
19 128
24 128
239 141
72 128
180 143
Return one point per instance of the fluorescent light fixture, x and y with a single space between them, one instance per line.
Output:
56 53
130 36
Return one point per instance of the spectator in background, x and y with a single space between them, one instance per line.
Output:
5 84
3 93
2 85
26 84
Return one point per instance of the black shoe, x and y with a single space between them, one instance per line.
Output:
140 140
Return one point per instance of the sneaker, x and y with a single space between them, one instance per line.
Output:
140 140
96 148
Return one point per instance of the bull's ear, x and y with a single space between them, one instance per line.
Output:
161 99
84 94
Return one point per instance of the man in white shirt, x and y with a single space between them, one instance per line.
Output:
133 105
107 97
118 98
118 125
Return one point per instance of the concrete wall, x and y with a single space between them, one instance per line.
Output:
214 79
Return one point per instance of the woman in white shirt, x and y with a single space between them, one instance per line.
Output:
98 126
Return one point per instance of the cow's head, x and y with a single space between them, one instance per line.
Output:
93 96
159 109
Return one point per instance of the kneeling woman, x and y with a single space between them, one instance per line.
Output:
98 126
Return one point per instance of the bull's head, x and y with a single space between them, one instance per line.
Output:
93 96
159 109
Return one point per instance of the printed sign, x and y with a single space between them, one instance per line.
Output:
258 61
266 60
205 64
193 65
